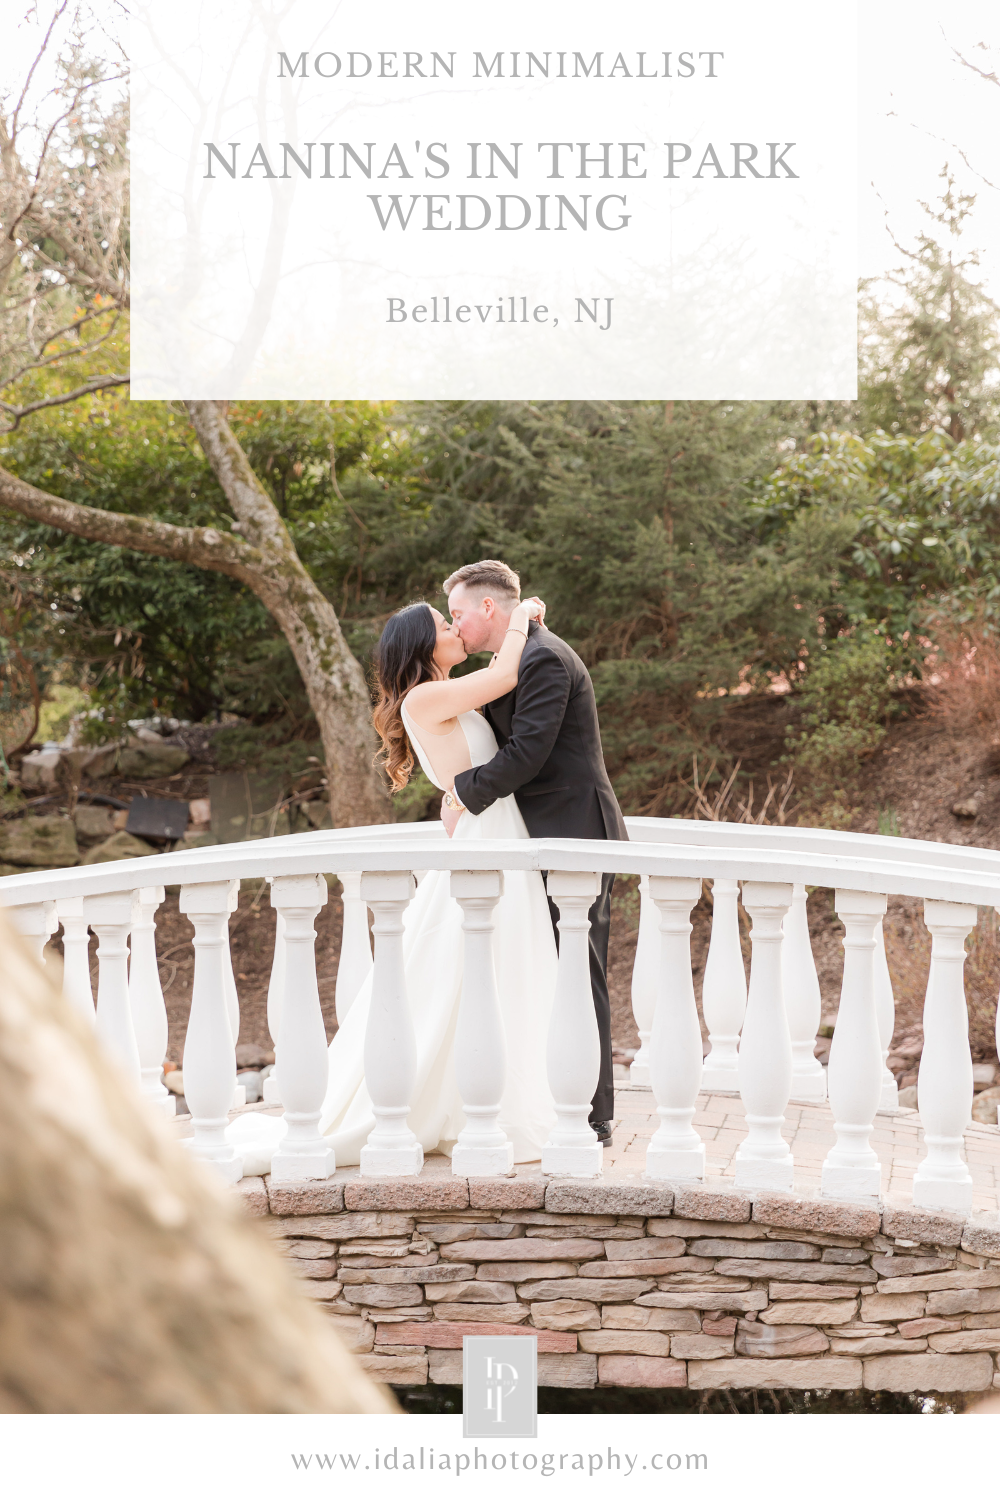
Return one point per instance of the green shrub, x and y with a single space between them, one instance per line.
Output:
417 801
847 699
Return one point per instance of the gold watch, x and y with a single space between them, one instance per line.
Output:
450 800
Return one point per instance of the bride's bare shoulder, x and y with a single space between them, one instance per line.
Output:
423 704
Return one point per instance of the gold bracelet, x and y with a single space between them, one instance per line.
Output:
514 630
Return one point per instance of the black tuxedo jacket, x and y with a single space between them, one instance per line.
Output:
550 753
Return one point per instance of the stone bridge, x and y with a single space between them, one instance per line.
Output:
626 1282
760 1221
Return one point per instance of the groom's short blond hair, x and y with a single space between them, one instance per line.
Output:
486 577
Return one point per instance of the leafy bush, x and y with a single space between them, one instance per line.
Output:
847 699
418 801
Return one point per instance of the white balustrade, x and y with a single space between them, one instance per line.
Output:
355 963
800 986
482 1148
644 969
145 995
777 1018
676 1151
209 1050
573 1053
764 1159
724 991
304 1154
111 918
36 921
390 1043
78 992
885 1009
852 1168
944 1081
275 992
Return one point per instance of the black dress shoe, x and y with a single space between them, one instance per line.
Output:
604 1130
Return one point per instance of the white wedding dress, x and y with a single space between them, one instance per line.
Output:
525 957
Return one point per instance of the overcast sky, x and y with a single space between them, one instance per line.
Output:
919 107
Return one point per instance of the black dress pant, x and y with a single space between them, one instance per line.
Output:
603 1105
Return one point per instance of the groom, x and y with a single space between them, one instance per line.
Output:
550 757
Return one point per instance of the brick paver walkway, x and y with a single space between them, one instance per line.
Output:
720 1120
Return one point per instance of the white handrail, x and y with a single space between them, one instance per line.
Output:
863 866
706 834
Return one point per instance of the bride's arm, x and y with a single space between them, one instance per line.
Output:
435 702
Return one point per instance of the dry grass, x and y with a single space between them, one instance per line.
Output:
964 681
982 982
733 803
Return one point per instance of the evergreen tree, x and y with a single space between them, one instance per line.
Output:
932 358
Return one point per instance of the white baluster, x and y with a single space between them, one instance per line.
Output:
676 1150
800 986
944 1082
764 1159
275 992
482 1148
355 963
78 992
232 994
145 994
573 1054
390 1043
36 921
647 953
304 1155
724 991
209 1063
852 1169
885 1009
111 918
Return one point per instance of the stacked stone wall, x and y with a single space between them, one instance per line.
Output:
629 1284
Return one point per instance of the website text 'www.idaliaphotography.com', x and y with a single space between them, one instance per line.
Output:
547 1465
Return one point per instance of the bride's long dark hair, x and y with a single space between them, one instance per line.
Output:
404 657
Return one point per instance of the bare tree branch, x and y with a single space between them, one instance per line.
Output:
63 216
988 77
17 414
46 41
44 361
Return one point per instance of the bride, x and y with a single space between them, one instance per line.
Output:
424 715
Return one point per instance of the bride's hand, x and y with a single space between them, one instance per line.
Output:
535 608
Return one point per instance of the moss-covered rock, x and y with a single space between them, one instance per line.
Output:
118 846
201 840
39 843
144 761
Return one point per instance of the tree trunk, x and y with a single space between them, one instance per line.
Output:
131 1281
334 681
262 556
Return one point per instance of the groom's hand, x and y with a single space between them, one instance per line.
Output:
450 817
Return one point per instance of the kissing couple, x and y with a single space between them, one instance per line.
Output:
516 749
